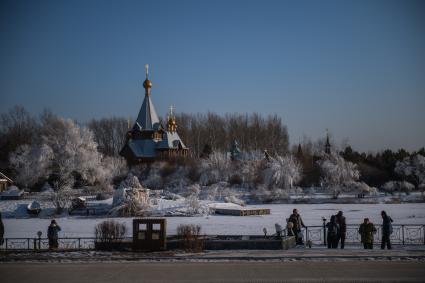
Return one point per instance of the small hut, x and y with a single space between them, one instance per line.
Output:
5 182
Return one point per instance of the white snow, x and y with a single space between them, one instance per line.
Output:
410 213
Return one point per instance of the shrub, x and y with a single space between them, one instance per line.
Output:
109 231
190 236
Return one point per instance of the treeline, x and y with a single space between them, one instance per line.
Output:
378 168
252 132
375 168
19 127
198 131
211 132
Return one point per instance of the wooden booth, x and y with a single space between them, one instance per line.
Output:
149 234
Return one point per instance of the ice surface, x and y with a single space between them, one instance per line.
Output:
409 213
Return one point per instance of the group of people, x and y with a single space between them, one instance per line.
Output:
336 230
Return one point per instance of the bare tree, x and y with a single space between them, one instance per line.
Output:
17 127
253 132
109 134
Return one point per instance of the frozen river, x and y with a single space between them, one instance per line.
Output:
409 213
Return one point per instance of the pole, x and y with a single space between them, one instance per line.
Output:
324 231
402 232
306 234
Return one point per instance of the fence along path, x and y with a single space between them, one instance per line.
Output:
402 235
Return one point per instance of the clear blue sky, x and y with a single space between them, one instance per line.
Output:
355 67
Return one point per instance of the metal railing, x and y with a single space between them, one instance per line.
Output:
402 234
35 244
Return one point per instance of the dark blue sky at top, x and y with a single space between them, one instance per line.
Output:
355 67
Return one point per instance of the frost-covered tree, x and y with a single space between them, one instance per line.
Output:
192 202
215 168
65 152
337 171
74 150
61 196
412 168
282 172
130 198
395 186
31 163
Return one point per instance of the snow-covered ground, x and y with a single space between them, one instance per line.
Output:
408 213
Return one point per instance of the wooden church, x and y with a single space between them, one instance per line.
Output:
148 140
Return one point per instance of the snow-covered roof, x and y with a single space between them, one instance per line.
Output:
147 118
171 140
142 148
4 177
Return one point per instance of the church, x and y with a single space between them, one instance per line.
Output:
148 141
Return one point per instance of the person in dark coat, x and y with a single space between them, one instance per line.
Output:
298 224
366 231
1 231
332 233
387 230
52 234
340 220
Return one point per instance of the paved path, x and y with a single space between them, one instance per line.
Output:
411 253
354 271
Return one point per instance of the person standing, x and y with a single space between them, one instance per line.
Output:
366 231
333 232
1 231
387 230
298 224
340 220
52 234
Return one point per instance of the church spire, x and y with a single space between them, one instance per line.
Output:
147 83
172 124
147 118
328 144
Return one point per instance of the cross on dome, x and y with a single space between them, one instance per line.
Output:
147 70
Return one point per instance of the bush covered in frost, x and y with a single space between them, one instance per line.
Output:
336 171
412 168
396 186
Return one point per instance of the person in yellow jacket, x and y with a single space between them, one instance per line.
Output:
366 231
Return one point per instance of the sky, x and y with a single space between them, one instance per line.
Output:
354 67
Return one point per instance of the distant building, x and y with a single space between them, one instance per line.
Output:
148 140
328 144
235 152
5 182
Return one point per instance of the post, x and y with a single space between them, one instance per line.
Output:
39 233
6 244
79 243
306 234
35 243
402 232
324 231
28 241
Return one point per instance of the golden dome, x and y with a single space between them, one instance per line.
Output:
147 84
